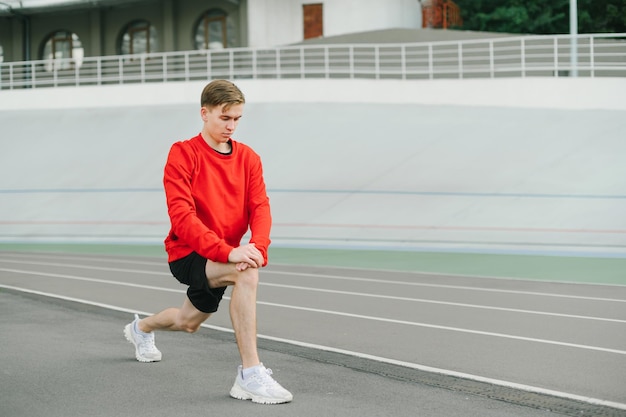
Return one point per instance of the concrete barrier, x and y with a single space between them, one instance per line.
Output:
517 165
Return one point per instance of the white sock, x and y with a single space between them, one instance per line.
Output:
249 371
139 331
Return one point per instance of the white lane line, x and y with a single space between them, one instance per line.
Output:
499 382
456 287
388 297
92 267
97 280
454 329
447 303
493 278
341 278
339 313
59 256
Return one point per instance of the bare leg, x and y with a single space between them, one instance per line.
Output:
243 316
187 319
242 310
242 306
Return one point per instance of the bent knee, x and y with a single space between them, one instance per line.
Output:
188 327
249 277
191 329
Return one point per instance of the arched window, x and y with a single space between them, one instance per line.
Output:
214 30
138 38
59 48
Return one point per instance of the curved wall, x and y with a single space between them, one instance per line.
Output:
535 165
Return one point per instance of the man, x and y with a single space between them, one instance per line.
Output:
215 191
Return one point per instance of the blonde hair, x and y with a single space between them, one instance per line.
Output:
219 92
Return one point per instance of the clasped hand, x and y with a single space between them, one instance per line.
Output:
246 256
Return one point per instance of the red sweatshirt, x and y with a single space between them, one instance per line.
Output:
212 199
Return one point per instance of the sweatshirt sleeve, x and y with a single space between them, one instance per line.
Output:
259 211
182 209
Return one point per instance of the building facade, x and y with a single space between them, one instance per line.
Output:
74 29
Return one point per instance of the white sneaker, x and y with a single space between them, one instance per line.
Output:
259 387
145 350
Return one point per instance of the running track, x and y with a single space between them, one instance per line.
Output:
558 339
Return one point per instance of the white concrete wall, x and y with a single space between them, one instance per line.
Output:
535 93
495 165
279 22
348 16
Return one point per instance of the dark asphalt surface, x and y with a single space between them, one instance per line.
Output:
63 359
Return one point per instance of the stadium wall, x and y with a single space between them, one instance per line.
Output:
503 165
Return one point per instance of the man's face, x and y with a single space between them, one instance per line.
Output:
219 123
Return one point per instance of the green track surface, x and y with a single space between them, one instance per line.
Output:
533 267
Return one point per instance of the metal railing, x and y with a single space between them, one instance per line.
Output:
597 55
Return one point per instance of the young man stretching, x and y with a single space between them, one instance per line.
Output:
215 191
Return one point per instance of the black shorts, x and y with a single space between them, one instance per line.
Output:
191 271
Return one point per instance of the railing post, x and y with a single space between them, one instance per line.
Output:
120 66
254 64
277 63
54 72
556 57
164 68
33 75
231 64
351 57
302 63
377 61
592 61
208 64
492 61
523 56
186 66
99 70
430 61
574 56
403 61
142 66
460 57
492 64
326 63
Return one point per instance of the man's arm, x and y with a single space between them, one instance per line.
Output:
259 211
